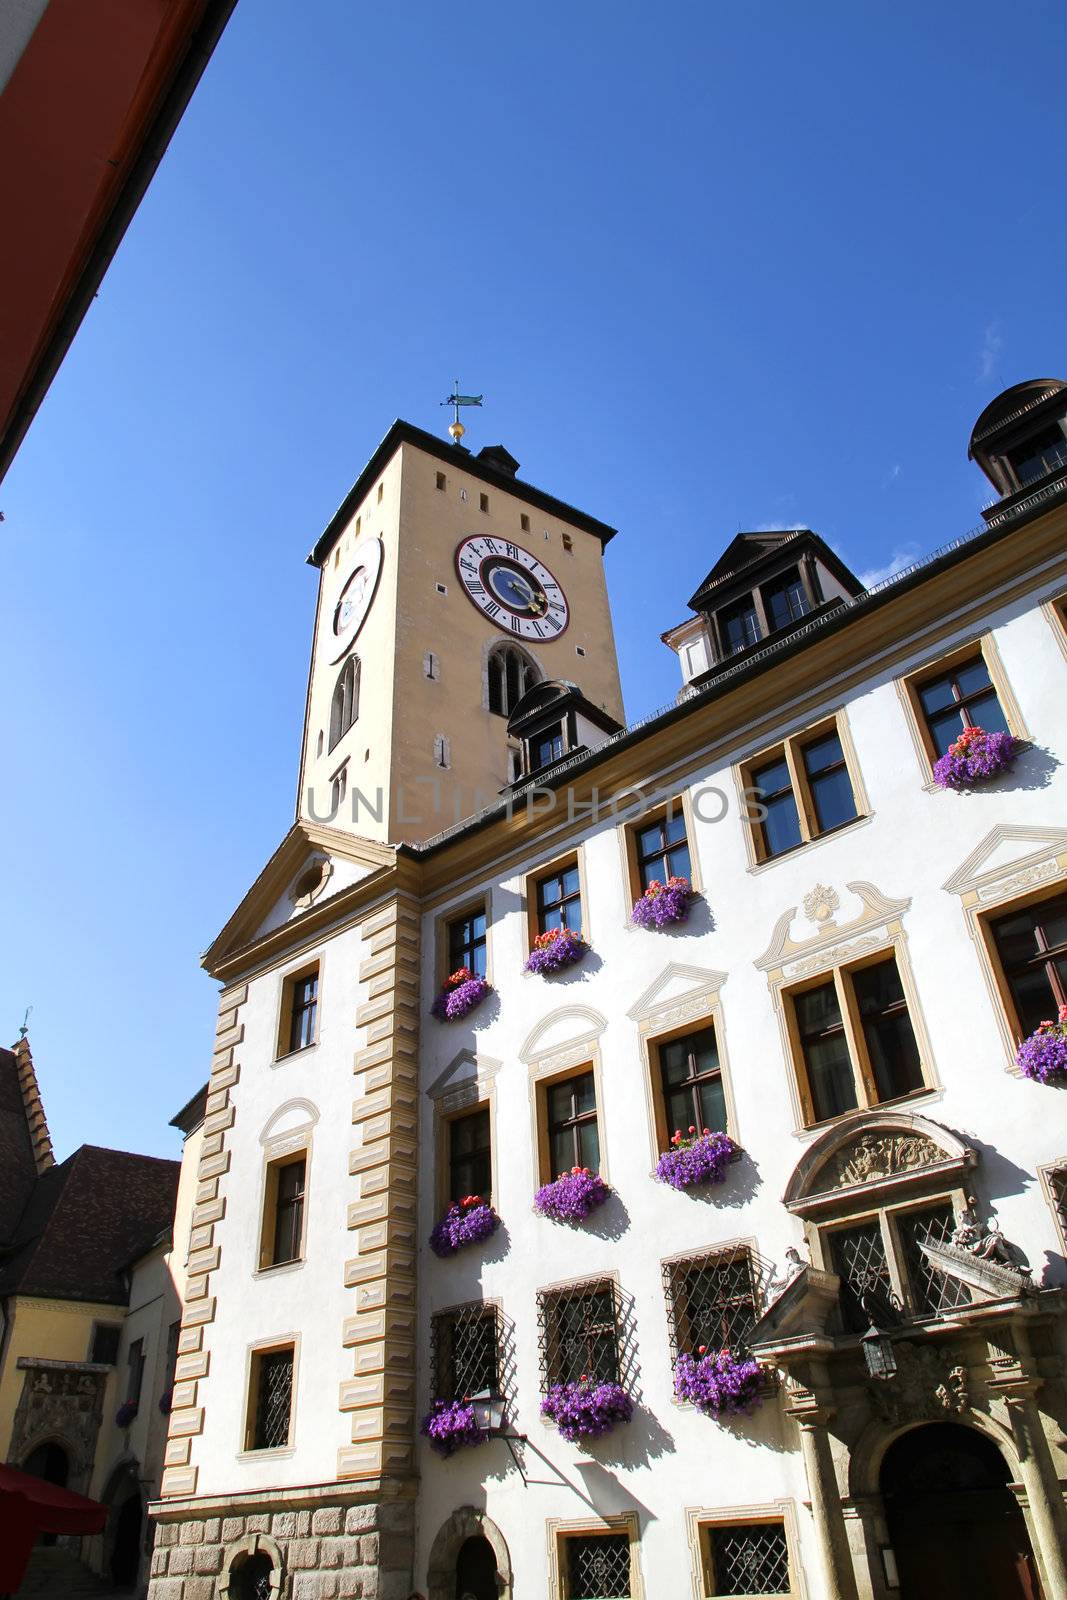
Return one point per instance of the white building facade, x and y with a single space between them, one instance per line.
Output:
862 954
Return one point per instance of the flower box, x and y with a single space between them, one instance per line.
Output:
450 1426
974 758
466 1221
663 903
554 950
718 1381
586 1410
696 1158
572 1196
462 993
1043 1056
125 1413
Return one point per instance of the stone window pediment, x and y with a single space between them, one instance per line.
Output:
879 1155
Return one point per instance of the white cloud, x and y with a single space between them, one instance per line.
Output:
776 527
989 355
902 557
892 475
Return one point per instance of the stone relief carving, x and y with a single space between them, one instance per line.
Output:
820 906
925 1385
701 985
1044 845
1022 880
835 957
61 1403
877 1155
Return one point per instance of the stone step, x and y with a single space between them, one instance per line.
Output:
56 1574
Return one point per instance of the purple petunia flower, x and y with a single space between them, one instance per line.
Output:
663 903
1043 1056
466 1221
450 1426
702 1158
572 1196
975 757
125 1413
586 1410
554 950
462 992
718 1381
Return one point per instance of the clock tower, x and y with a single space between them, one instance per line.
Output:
448 588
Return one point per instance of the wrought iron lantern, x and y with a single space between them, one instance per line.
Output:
878 1353
488 1408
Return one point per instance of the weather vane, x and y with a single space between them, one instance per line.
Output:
24 1030
455 400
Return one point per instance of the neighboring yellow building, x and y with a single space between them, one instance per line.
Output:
90 1301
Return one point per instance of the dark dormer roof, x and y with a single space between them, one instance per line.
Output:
494 455
1011 406
551 699
746 557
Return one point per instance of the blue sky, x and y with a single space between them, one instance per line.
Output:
712 266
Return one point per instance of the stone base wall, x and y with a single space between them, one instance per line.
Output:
321 1552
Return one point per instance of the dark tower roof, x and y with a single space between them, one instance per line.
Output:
1011 406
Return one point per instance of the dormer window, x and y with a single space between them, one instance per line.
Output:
785 599
739 625
1039 457
547 747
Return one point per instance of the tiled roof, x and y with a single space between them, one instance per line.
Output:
85 1220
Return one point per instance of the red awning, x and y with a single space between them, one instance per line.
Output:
29 1506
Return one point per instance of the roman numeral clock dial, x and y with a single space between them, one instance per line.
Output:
512 588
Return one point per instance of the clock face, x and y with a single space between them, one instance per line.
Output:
513 589
355 598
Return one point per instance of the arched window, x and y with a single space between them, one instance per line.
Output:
251 1579
511 673
345 707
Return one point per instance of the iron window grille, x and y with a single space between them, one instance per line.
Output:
931 1291
581 1334
274 1399
713 1300
251 1580
598 1566
861 1259
750 1558
467 1353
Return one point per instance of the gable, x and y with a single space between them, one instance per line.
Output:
1011 856
679 994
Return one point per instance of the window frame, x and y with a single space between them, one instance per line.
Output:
888 1215
338 728
678 1317
985 919
700 1520
445 1162
678 804
654 1044
855 1036
549 1366
531 892
472 1310
559 1531
935 666
542 1089
1054 1183
790 749
253 1370
1055 611
286 1014
268 1238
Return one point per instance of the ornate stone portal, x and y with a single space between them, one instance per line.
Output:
60 1401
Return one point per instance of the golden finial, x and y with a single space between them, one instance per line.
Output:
455 400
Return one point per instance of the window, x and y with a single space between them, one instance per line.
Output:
440 480
300 1005
270 1399
691 1084
510 673
662 849
1039 457
959 697
134 1371
738 625
855 1042
429 665
881 1257
745 1558
712 1300
441 751
1031 949
381 491
785 599
470 1155
338 789
468 943
344 708
1056 1182
571 1124
283 1212
250 1577
804 789
465 1352
579 1333
524 522
104 1344
547 747
559 899
483 502
568 542
596 1566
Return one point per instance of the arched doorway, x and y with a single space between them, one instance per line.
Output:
955 1528
126 1545
51 1462
476 1570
